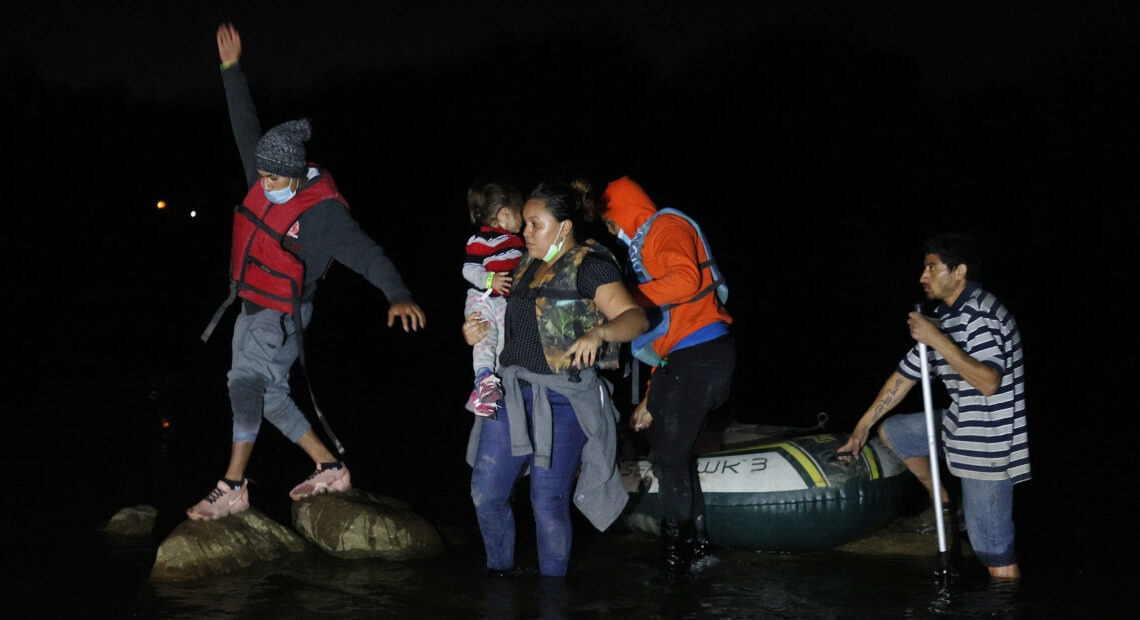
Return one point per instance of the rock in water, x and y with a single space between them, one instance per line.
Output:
357 524
201 548
133 521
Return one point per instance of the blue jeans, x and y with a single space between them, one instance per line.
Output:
987 504
493 481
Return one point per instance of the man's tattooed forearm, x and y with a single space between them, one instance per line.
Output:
887 400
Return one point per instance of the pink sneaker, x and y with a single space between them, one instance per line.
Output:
331 480
486 410
490 389
223 500
471 400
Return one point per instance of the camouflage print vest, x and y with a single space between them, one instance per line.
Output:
563 314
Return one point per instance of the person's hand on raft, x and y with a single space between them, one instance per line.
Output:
850 450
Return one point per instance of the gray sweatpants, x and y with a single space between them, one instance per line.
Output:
485 353
264 349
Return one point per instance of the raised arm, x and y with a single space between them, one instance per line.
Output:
243 114
229 45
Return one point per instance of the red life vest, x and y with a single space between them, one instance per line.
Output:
262 268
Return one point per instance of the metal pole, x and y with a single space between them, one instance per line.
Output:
931 445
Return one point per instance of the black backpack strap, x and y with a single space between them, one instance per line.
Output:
300 329
245 212
710 288
220 311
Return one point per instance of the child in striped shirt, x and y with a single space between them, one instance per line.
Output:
493 252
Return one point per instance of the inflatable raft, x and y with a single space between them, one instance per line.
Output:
784 494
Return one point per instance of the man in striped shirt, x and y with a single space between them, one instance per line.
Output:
976 351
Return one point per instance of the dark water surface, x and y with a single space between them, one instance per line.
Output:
59 565
92 445
614 575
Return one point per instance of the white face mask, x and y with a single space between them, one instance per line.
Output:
624 238
555 247
279 196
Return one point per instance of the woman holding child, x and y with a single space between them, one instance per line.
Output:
566 315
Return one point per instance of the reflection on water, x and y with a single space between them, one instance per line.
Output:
68 570
980 599
613 575
56 565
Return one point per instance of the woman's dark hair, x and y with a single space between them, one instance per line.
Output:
954 250
484 201
572 201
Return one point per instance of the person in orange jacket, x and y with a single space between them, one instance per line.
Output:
690 347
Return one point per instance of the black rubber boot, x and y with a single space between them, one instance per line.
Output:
677 543
702 553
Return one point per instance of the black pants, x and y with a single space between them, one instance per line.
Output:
694 382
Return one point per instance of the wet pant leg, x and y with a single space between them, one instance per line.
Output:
551 489
694 382
493 480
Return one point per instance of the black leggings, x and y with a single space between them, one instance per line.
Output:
694 382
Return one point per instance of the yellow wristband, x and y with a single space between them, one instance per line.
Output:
227 64
490 279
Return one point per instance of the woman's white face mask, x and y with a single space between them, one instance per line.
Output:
555 246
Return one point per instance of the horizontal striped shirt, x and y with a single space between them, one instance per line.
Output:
984 437
491 250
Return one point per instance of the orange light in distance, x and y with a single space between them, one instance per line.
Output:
161 204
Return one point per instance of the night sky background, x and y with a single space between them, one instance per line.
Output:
818 146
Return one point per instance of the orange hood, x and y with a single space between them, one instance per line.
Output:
627 205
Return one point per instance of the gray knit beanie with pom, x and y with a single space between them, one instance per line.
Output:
281 150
